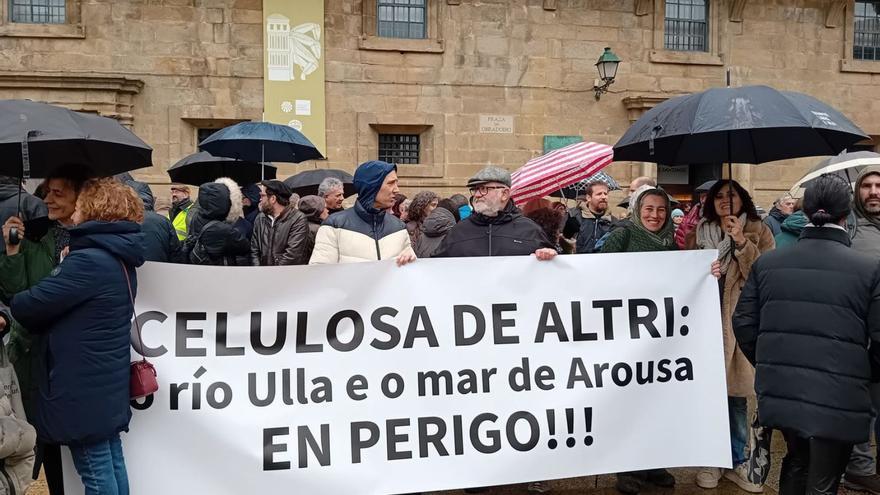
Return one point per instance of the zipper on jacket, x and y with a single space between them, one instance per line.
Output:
490 239
376 239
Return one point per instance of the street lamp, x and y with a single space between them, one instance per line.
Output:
607 66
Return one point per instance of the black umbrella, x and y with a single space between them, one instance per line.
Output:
201 167
751 124
705 186
306 183
261 142
49 136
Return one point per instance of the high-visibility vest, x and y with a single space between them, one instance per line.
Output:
179 223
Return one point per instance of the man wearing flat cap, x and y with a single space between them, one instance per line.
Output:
496 227
281 232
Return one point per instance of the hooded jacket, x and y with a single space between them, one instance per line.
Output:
18 436
434 229
362 233
212 239
866 231
507 234
809 320
791 229
160 239
85 310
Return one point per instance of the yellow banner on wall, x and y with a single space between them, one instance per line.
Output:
293 75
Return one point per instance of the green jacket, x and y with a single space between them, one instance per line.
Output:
791 229
19 272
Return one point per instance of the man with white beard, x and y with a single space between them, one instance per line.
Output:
496 227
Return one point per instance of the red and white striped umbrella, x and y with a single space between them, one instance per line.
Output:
557 169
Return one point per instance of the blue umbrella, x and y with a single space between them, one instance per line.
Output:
261 142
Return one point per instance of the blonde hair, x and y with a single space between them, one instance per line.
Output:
109 200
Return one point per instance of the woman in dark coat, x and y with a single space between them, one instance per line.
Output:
212 238
808 318
85 308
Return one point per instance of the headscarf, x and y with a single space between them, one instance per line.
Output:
666 235
858 205
368 180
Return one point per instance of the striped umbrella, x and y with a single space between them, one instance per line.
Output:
557 169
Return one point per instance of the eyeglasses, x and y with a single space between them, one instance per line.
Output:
483 190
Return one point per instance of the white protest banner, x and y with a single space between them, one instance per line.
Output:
374 379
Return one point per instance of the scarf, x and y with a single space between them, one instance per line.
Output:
660 240
710 236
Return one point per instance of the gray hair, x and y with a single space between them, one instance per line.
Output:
782 198
329 184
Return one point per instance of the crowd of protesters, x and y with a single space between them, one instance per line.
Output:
799 292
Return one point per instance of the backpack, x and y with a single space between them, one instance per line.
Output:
197 252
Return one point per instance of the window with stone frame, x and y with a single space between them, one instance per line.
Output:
38 11
402 19
866 31
686 27
399 148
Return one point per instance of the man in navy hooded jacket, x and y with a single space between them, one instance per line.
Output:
366 232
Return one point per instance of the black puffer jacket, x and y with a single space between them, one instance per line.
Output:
806 318
507 234
282 242
212 239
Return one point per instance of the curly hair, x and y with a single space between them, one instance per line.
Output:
549 219
108 200
418 209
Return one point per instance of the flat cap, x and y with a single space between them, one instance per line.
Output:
490 174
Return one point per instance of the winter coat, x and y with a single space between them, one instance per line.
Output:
435 227
212 239
507 234
592 229
313 234
759 240
84 308
160 239
34 262
355 235
774 220
791 229
864 228
180 218
280 242
31 206
809 320
17 436
688 225
362 233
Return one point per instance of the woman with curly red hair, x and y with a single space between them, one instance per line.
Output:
86 307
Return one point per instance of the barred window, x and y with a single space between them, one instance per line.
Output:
399 148
687 25
402 19
866 42
38 11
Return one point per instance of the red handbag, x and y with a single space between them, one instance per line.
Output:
143 380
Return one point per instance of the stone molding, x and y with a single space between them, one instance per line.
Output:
736 10
835 13
636 106
107 95
644 7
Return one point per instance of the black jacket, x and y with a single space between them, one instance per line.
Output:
434 229
507 234
282 242
806 318
160 239
774 220
212 239
31 206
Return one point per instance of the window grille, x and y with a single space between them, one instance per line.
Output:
402 18
399 148
38 11
687 25
866 41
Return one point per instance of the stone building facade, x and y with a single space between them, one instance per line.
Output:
490 83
